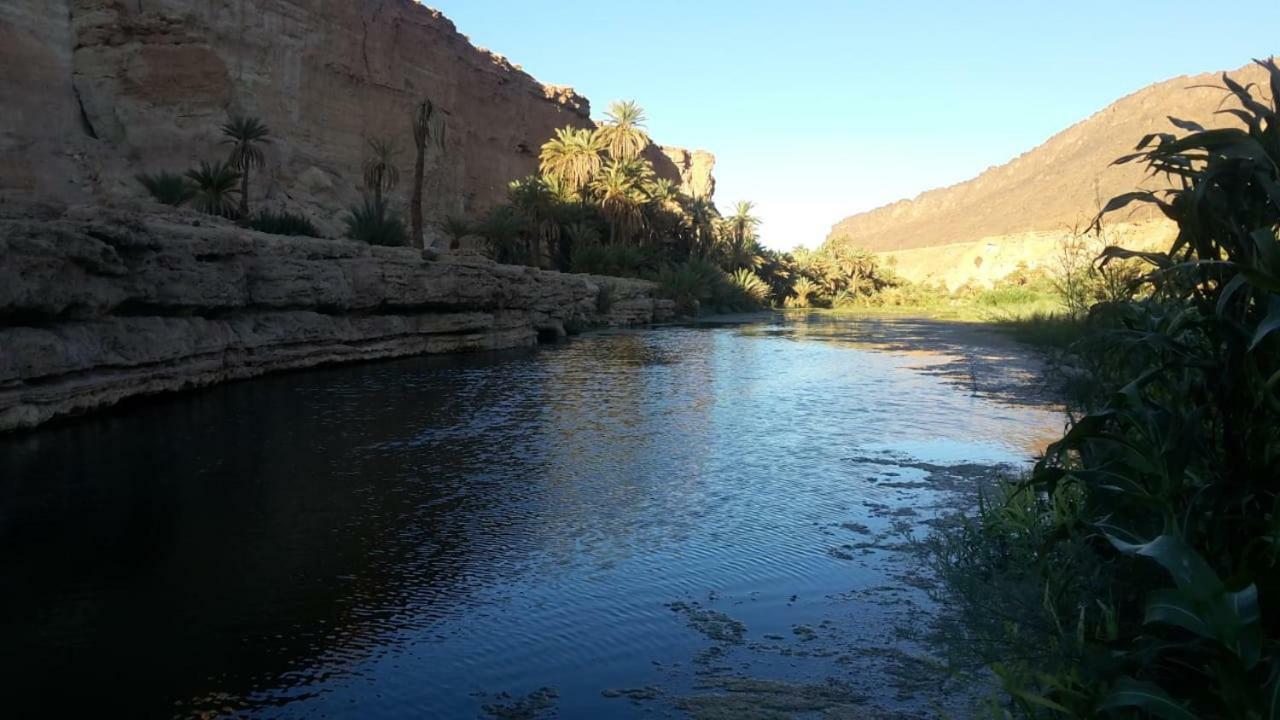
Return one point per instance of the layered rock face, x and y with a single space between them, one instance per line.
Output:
96 307
1025 207
110 88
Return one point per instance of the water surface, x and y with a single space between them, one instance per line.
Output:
432 536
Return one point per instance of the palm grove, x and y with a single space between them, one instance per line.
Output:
596 206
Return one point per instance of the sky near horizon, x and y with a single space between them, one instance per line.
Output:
818 109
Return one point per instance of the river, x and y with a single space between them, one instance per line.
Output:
622 525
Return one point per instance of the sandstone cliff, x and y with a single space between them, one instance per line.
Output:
96 91
98 306
1040 195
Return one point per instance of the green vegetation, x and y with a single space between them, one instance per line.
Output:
1135 573
214 188
379 171
245 135
167 188
283 223
371 222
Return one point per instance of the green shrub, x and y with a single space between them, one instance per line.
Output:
283 223
167 188
614 260
690 284
374 223
216 189
1151 530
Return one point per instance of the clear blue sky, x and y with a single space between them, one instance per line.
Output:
817 109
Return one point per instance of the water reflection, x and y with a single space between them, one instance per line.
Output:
400 536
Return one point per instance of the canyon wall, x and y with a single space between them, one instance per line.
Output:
1022 210
97 306
96 91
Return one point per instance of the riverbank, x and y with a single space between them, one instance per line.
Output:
101 306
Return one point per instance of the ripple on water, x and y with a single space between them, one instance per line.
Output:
407 534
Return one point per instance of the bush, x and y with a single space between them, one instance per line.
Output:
690 284
283 223
614 260
1168 489
216 189
167 188
372 222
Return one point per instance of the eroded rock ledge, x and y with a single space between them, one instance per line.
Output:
101 307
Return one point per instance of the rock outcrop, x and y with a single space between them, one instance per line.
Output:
1041 195
96 91
96 307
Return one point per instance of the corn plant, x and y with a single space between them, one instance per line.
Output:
1180 466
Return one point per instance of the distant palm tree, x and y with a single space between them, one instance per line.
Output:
380 171
215 188
617 189
245 135
623 134
502 229
701 215
582 234
742 223
456 228
539 207
805 291
573 155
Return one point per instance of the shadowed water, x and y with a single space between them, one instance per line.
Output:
419 537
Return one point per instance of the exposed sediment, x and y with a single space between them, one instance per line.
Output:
98 307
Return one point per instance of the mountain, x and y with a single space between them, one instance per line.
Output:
1016 212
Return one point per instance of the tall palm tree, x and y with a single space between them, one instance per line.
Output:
380 171
426 128
617 189
623 133
214 188
700 217
246 136
573 156
742 224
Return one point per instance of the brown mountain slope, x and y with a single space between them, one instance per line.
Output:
1053 186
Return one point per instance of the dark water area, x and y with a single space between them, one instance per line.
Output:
436 536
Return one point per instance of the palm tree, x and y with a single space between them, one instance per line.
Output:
623 134
751 286
456 228
425 129
700 216
502 229
662 208
380 171
742 224
215 188
573 156
245 135
805 291
538 206
617 189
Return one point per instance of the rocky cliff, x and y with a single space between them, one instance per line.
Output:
1040 195
96 91
97 306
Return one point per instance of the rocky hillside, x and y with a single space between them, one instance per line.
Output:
96 91
1049 189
